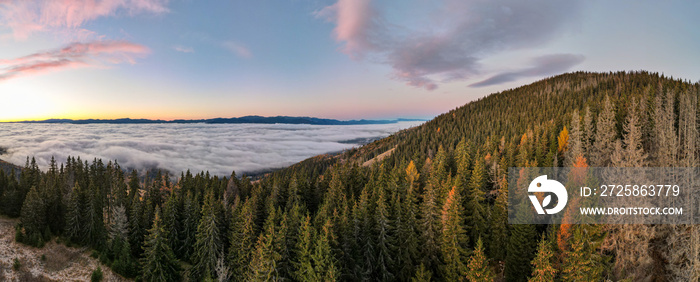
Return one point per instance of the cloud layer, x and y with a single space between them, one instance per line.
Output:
545 65
219 149
448 43
25 17
95 54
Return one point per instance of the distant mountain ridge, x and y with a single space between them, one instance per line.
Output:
234 120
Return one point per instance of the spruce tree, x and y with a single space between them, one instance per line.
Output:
543 269
159 262
499 222
208 247
33 218
430 227
74 218
605 135
575 146
520 249
303 265
324 263
476 212
265 257
242 238
581 263
384 240
454 239
479 269
422 274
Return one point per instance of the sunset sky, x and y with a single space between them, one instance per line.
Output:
348 59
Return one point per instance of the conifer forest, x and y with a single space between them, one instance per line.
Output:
432 209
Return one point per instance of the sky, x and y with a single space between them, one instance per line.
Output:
345 59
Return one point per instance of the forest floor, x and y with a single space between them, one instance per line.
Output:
53 262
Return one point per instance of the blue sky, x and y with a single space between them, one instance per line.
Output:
344 59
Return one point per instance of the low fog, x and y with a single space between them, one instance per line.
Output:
219 148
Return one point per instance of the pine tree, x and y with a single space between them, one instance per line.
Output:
520 249
208 247
74 218
588 133
304 266
242 238
407 235
384 240
605 135
188 236
634 151
499 222
430 226
476 212
580 262
172 220
120 250
33 218
543 270
159 262
479 269
265 257
453 240
422 274
324 263
575 146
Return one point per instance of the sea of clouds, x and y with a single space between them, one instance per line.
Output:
217 148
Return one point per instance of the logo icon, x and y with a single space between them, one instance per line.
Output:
542 184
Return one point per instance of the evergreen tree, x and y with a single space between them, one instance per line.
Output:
384 240
407 229
74 218
159 262
265 257
172 223
33 218
520 249
242 238
580 262
453 240
476 212
304 266
422 274
479 269
575 147
543 270
190 221
325 268
605 135
499 222
208 247
588 133
430 226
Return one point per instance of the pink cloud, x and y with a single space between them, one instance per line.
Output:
354 23
443 40
25 17
238 49
75 55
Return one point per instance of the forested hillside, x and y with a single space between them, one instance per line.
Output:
434 209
